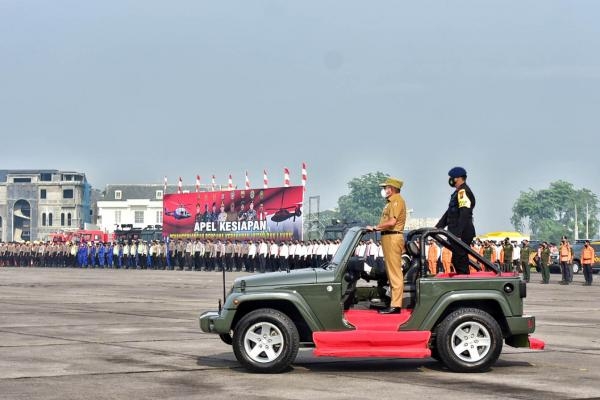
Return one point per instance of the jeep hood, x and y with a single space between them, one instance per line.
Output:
292 278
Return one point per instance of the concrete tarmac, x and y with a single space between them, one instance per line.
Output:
123 334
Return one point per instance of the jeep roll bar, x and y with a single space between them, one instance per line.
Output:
450 241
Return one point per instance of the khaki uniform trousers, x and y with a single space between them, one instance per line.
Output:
432 266
393 247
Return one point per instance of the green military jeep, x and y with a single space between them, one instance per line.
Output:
460 320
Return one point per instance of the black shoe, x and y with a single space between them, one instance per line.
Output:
378 306
390 310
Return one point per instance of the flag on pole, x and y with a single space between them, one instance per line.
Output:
247 182
197 183
304 176
179 186
212 184
165 186
265 180
230 183
286 177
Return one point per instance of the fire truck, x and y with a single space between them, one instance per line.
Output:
81 235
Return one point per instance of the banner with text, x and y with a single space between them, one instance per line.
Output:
253 214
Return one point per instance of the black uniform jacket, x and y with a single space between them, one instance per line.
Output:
459 215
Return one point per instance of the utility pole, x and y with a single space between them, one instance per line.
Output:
576 231
587 221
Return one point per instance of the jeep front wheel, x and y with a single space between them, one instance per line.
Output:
266 340
469 340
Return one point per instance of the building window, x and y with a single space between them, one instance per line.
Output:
159 194
118 194
62 219
45 177
139 217
0 222
69 219
67 193
22 180
43 219
117 216
42 193
159 217
50 219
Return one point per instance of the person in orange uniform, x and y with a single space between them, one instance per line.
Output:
587 259
447 260
476 246
488 251
391 225
566 258
433 254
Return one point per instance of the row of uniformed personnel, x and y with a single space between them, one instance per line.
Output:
198 254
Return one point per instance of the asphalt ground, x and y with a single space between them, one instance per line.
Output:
123 334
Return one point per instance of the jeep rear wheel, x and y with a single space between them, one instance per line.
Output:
468 340
266 340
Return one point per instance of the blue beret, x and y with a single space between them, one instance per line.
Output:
456 172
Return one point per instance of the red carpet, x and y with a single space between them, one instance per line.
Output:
376 335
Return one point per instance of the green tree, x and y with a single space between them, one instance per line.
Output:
550 213
364 203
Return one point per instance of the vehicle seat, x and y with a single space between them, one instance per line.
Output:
410 283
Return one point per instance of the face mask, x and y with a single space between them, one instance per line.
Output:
383 194
451 182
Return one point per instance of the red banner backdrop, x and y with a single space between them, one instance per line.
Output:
252 214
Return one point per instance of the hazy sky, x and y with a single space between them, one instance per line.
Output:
130 91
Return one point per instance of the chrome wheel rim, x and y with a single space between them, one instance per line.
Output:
471 341
263 342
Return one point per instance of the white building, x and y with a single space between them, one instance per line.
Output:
140 205
416 223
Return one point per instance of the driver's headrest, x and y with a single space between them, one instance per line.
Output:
412 248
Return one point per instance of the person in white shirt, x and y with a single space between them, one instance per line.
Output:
301 254
309 252
360 249
263 252
197 248
292 255
516 257
273 256
189 250
331 249
283 256
379 259
250 267
371 253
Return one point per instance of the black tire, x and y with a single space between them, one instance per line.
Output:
435 354
480 334
226 338
269 328
576 267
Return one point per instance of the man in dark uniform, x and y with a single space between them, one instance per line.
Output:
459 217
525 252
507 253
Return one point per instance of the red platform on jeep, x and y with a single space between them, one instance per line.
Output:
376 335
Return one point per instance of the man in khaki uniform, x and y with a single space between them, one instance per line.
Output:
391 226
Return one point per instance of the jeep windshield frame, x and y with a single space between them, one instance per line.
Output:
345 249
